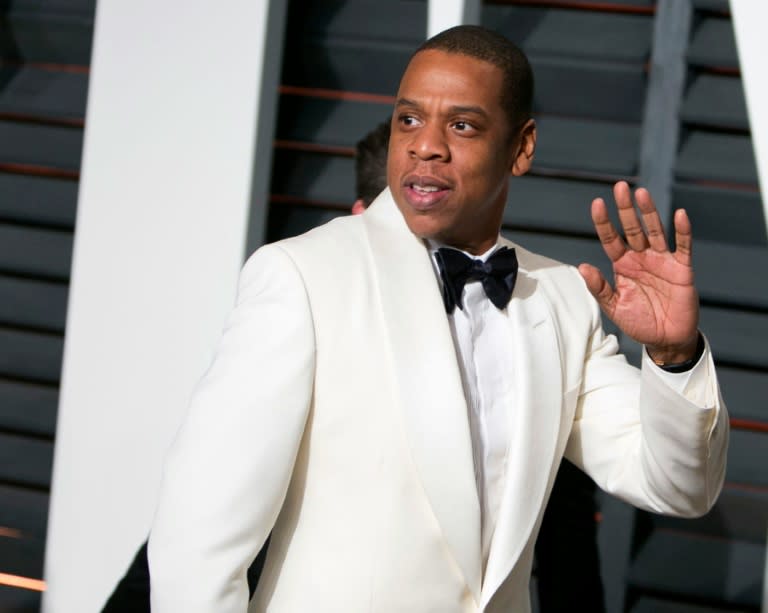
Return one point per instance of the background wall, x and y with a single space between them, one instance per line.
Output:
179 147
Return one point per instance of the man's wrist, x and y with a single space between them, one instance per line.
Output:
680 359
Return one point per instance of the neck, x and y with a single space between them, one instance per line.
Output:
434 244
473 247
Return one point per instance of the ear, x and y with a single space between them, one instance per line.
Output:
358 207
526 146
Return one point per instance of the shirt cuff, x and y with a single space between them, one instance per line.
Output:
693 384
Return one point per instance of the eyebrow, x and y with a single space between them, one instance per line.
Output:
405 102
456 109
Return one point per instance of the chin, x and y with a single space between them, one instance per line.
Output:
424 229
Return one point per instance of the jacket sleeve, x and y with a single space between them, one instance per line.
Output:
228 470
643 441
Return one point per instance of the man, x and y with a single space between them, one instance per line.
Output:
567 560
418 483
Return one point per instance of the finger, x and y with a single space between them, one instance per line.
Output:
633 230
683 237
599 288
612 243
653 226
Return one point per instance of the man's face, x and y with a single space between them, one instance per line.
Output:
450 153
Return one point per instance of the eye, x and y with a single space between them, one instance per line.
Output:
464 127
408 121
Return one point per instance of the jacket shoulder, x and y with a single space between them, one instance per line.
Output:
342 235
561 283
547 269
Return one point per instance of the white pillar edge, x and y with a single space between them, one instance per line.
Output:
749 18
444 14
161 227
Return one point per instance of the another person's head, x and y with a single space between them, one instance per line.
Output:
460 126
371 163
371 166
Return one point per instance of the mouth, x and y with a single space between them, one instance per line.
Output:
424 192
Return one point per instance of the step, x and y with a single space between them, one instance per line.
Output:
588 89
722 215
28 408
747 459
745 392
740 514
315 177
596 147
713 44
737 337
721 6
49 31
551 203
717 101
731 274
45 94
595 35
328 122
24 510
17 600
33 304
702 568
35 252
712 157
286 220
54 147
25 461
30 356
38 200
22 557
647 604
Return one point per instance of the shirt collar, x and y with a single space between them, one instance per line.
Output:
434 245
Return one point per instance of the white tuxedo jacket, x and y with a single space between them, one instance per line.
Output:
334 412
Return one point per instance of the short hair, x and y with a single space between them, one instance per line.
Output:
371 163
484 44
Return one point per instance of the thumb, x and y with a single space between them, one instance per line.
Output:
598 287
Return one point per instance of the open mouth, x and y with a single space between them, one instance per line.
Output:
424 193
424 189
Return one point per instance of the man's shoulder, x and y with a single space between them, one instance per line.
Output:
561 283
344 228
340 237
538 265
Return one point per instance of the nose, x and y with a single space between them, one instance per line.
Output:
429 144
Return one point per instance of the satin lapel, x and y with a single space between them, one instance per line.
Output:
431 393
534 423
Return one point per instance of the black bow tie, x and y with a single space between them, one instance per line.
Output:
497 274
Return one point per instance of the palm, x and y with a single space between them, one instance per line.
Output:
654 300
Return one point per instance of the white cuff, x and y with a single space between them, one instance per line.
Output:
693 384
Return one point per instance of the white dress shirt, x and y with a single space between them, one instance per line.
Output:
481 334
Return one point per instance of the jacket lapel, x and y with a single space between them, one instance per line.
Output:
534 423
431 394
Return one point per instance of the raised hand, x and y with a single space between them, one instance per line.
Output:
654 300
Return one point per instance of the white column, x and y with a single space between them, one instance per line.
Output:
444 14
749 19
163 209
